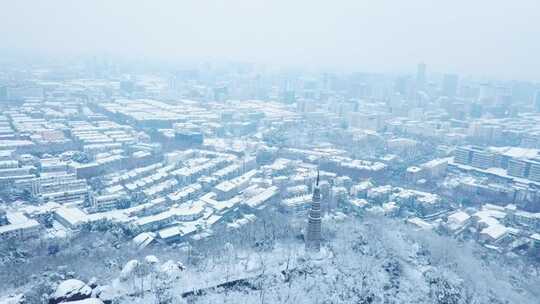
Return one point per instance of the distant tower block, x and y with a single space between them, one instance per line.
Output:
313 237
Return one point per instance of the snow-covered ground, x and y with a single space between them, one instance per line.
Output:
367 261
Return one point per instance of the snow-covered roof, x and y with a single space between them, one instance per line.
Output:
358 202
420 223
262 197
71 287
144 239
536 237
180 230
18 221
74 216
389 207
459 217
413 169
516 152
495 231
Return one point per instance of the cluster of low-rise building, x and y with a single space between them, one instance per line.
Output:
188 155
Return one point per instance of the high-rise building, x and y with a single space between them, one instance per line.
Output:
313 236
450 85
221 93
518 167
537 101
475 110
463 155
534 171
3 218
421 76
482 159
402 85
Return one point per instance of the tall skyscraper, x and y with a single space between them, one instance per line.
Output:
450 85
537 101
313 237
421 76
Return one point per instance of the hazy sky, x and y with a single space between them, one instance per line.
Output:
480 37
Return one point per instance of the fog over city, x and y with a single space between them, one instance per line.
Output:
269 152
483 38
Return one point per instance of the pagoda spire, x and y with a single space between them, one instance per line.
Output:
313 236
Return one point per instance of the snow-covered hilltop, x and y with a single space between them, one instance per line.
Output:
377 260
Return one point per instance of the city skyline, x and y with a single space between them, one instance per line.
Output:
267 152
484 38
